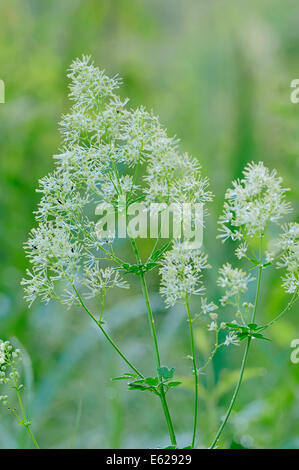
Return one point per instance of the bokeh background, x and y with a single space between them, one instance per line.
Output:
218 74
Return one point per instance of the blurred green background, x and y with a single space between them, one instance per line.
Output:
218 74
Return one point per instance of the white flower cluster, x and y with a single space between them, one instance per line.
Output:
104 144
181 273
234 281
288 244
9 358
252 203
176 178
98 280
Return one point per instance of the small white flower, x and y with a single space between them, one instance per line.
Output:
207 307
269 257
213 326
231 338
213 316
233 280
241 250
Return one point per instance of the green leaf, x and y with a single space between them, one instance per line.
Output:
138 381
142 388
126 376
261 328
152 381
254 261
166 373
140 198
253 326
158 253
233 326
259 336
119 378
149 266
136 268
242 336
174 384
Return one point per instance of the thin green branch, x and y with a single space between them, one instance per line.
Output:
122 355
195 371
24 421
234 395
289 305
155 344
237 388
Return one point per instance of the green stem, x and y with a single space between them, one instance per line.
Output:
260 268
195 371
32 437
25 420
290 305
234 395
122 355
151 320
156 348
167 417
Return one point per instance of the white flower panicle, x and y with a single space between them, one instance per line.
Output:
103 145
175 178
288 245
181 273
98 280
89 85
234 281
252 203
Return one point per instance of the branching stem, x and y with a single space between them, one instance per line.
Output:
237 388
155 344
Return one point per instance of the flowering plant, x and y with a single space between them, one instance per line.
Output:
110 151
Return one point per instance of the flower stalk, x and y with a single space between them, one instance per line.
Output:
195 372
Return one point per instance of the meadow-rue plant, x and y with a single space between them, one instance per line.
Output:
9 376
111 154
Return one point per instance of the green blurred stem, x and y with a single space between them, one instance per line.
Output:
122 355
234 395
290 305
260 268
195 371
151 320
236 391
26 422
158 362
155 344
